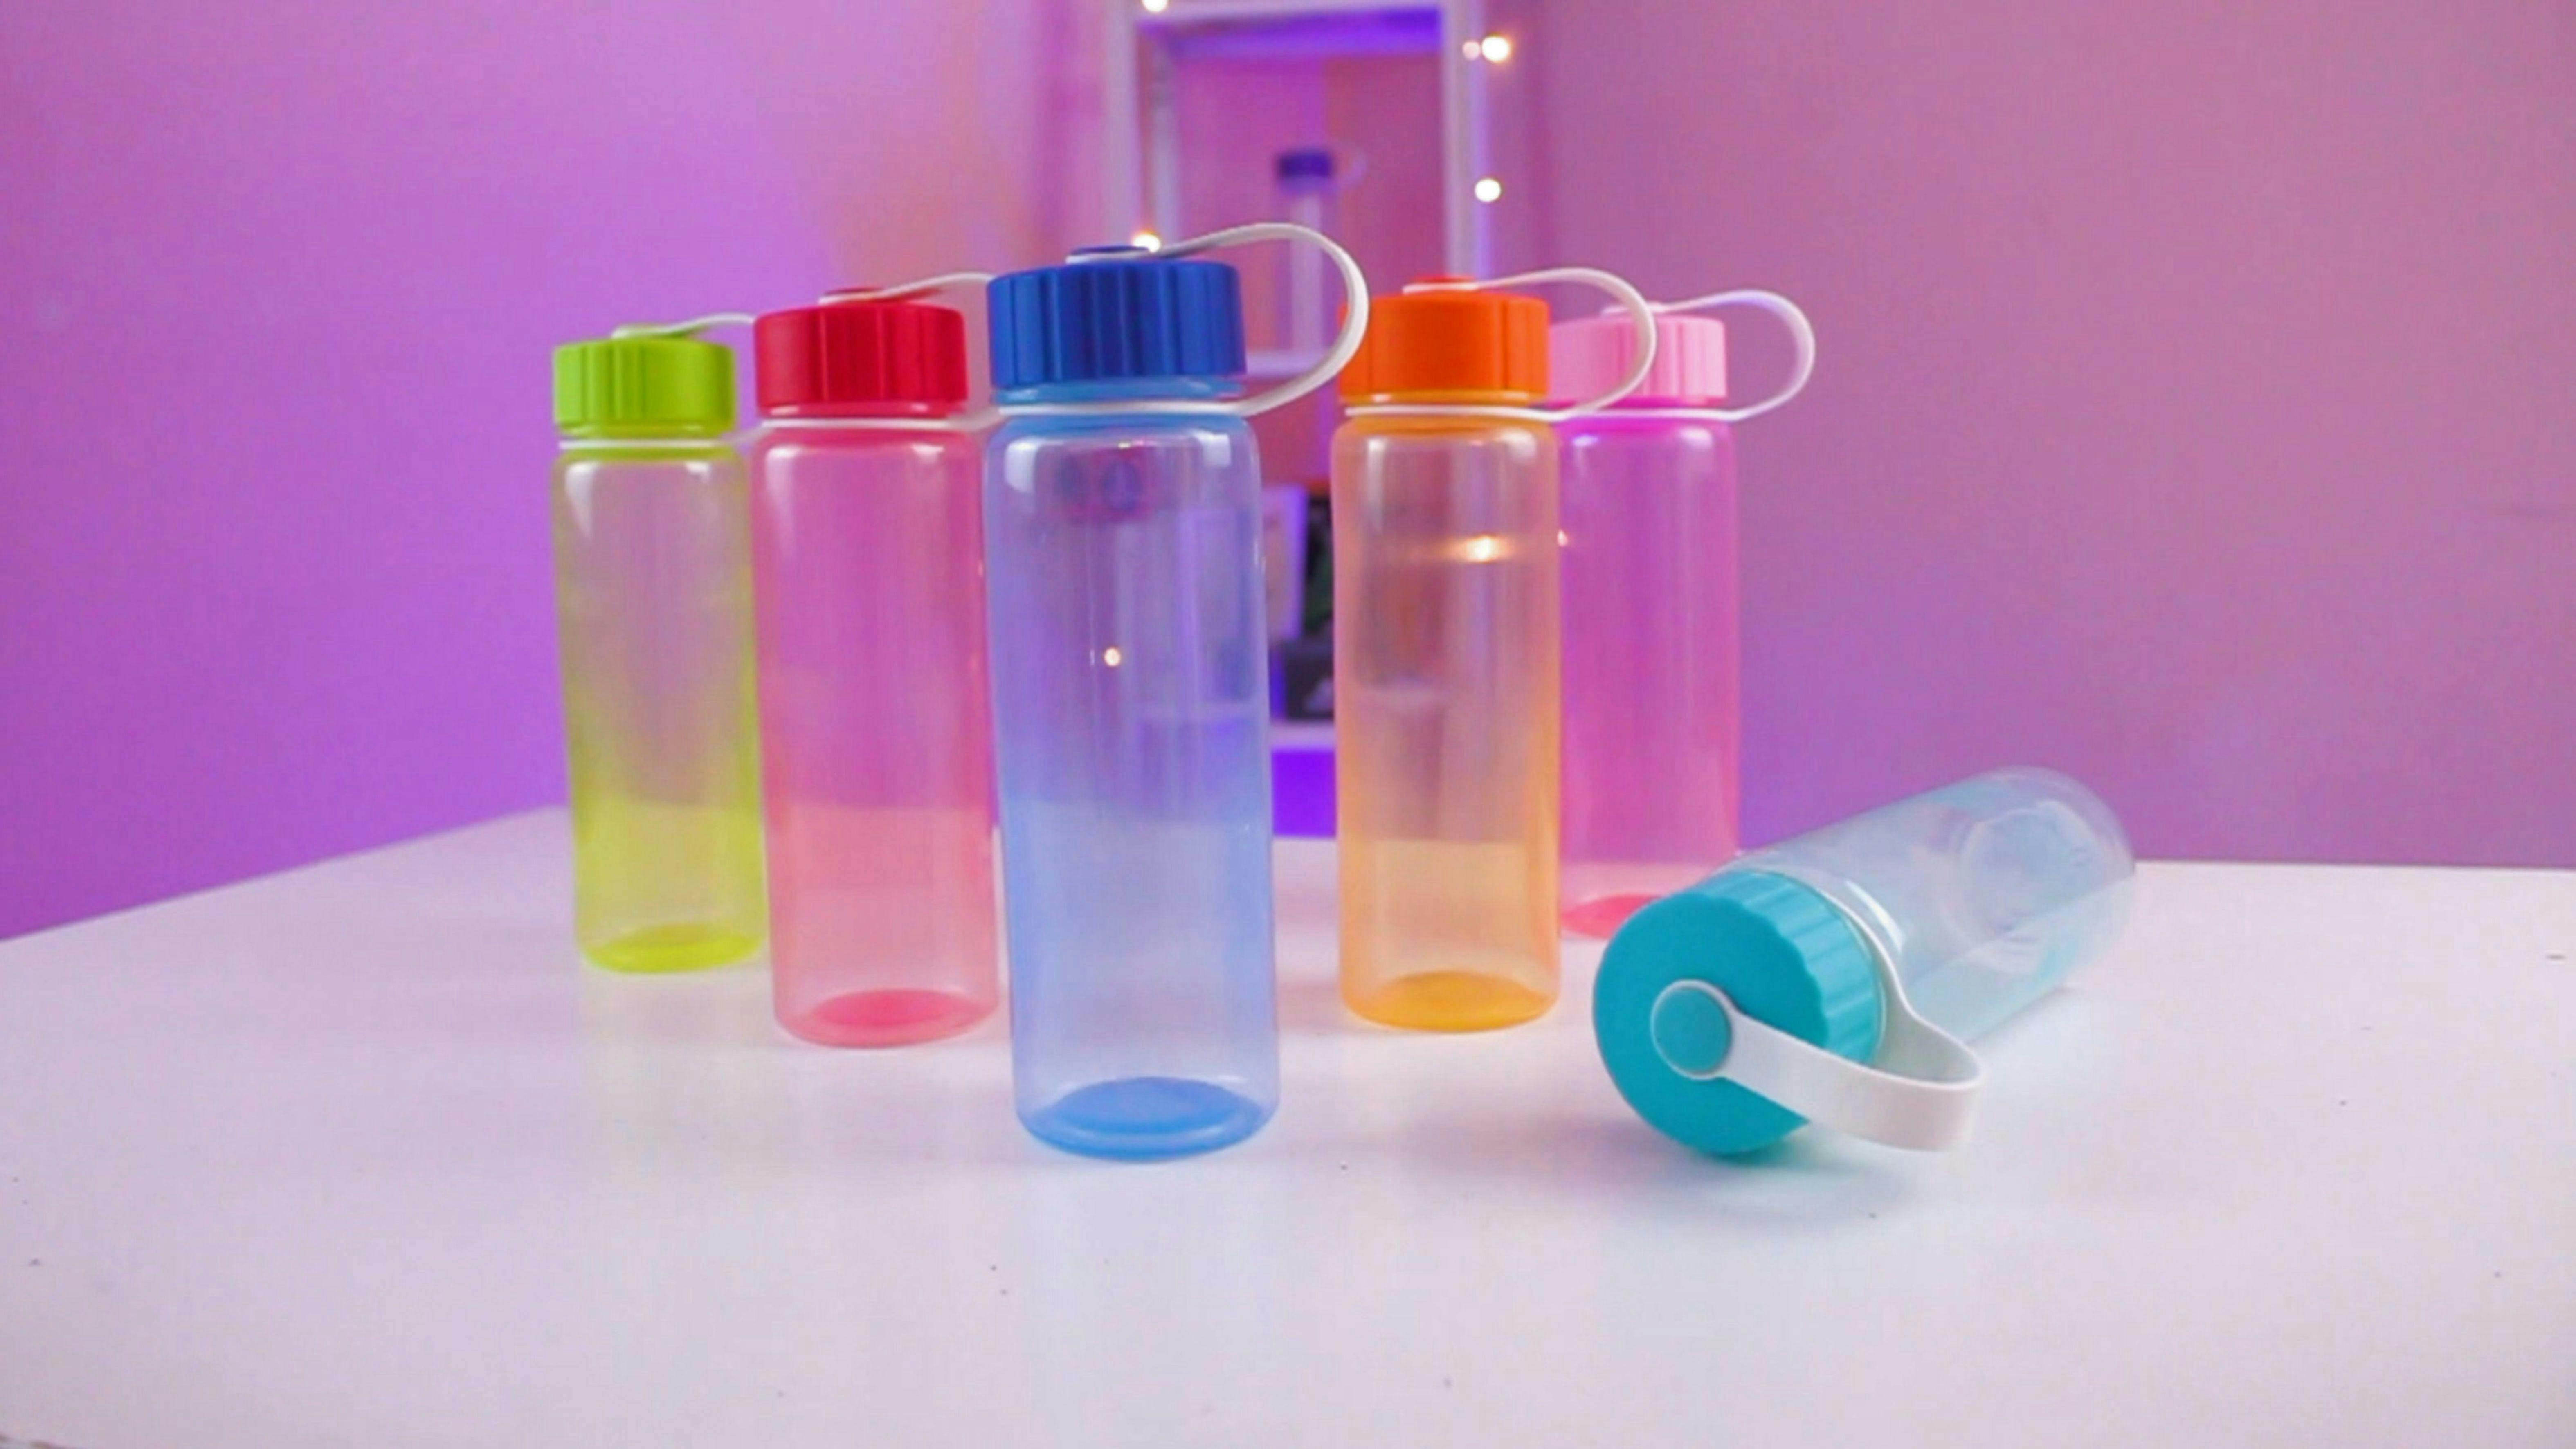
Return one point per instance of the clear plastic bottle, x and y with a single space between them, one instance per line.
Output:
1131 704
876 726
1897 933
653 590
1445 668
1650 612
1306 189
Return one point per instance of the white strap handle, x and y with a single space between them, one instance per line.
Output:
1918 1092
1345 347
906 291
902 292
1802 336
690 328
1628 298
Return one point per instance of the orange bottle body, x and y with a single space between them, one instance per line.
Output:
1446 699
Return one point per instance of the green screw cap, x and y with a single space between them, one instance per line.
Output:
644 387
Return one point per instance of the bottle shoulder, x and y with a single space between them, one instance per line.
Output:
1683 443
711 461
858 444
1372 445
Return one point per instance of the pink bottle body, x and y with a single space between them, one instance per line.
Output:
1650 629
876 731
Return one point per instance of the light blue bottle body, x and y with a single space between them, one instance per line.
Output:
1131 710
1983 896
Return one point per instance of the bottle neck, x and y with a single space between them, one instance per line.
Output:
614 435
859 414
1637 414
1451 397
1124 389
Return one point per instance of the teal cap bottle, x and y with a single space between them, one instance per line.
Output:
1835 976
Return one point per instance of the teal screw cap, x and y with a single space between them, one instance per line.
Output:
1779 950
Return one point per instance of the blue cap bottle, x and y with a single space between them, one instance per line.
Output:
1122 499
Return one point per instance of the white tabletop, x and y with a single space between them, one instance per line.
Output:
359 1155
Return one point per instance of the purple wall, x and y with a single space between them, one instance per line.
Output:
281 279
2195 409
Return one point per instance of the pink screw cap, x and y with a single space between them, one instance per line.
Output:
1588 356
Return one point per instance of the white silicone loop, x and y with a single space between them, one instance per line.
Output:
1802 336
690 328
1919 1091
1345 347
1628 298
906 291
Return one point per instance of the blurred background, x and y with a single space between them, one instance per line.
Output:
2193 412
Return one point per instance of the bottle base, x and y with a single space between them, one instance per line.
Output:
1450 1001
885 1018
690 946
1147 1117
1601 916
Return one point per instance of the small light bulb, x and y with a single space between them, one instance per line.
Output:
1496 48
1146 240
1156 7
1472 50
1111 657
1489 190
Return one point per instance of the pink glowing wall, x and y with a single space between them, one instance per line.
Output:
281 279
2195 411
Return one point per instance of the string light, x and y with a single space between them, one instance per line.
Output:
1156 7
1489 190
1495 48
1146 241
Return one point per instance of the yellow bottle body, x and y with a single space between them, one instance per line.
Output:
654 605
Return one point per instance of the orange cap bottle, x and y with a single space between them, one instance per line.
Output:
1445 689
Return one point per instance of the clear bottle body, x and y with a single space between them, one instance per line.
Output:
1651 662
654 608
1446 699
876 732
1131 704
1307 315
1983 895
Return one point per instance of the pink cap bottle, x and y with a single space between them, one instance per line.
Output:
1649 608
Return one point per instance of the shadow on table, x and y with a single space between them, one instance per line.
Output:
1312 1006
727 1007
694 1073
1808 1184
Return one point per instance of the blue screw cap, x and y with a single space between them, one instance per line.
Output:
1116 314
1779 950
